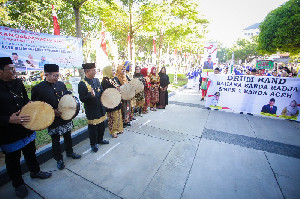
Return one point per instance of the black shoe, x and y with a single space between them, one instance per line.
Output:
250 114
21 191
73 155
202 99
40 175
94 148
60 165
126 124
104 142
241 112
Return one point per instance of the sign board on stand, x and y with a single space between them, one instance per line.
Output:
264 64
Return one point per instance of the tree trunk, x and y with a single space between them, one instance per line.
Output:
77 20
160 47
130 33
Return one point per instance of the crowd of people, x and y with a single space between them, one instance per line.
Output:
195 77
15 138
154 94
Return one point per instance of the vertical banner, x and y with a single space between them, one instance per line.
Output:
211 49
32 50
210 58
264 95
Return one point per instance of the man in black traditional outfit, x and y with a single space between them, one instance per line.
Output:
14 138
90 91
51 91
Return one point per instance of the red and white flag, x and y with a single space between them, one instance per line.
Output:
103 42
55 22
154 47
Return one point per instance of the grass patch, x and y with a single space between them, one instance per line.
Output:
181 80
43 138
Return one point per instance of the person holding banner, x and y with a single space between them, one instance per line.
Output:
204 87
14 138
90 90
51 91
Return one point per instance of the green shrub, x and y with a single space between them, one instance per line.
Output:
43 138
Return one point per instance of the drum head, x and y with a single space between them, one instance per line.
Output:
111 98
41 115
127 91
138 85
69 107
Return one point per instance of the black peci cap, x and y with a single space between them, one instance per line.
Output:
5 61
88 66
48 68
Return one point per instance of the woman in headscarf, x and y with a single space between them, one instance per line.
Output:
115 124
154 90
163 92
121 79
139 97
129 77
147 87
128 67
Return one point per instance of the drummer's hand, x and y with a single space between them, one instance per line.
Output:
16 119
93 93
57 112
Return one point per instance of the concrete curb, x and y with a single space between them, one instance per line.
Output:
45 153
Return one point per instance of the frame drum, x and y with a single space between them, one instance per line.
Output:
69 107
127 91
138 85
111 98
41 115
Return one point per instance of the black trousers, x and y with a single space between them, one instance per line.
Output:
56 150
13 166
96 133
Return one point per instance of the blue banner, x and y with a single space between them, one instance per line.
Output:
32 50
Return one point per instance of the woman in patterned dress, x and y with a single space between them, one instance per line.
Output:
154 90
147 87
139 97
121 79
115 124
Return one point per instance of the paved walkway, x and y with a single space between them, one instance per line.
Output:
184 151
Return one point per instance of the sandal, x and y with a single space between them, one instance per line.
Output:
114 135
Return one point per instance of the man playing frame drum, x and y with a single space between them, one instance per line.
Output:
51 91
14 138
90 91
